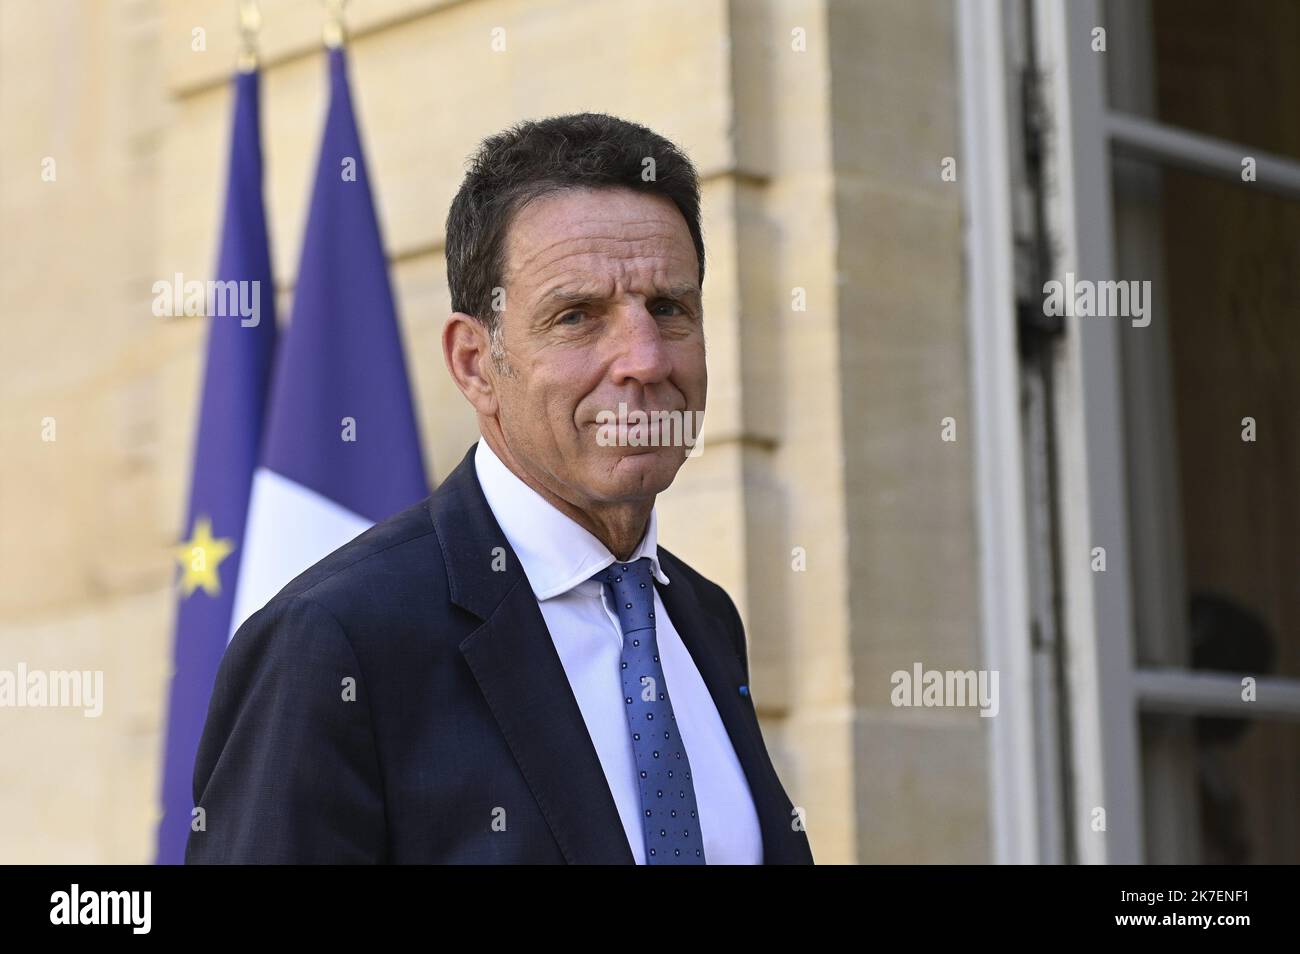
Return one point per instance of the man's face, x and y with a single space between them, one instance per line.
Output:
602 307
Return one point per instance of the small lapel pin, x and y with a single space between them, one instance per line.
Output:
744 690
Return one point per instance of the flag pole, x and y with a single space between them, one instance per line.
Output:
250 24
335 32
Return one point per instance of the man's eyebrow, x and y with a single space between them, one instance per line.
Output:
566 296
569 296
688 290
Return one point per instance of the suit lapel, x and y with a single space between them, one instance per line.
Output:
708 640
523 681
514 661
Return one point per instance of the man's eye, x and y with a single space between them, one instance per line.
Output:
670 304
572 318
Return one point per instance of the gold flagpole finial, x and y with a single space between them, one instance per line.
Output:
335 31
250 24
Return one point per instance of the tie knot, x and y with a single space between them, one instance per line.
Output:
631 587
618 575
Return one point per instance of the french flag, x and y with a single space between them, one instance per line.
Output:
341 450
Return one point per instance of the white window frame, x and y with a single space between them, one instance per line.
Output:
1109 690
1015 814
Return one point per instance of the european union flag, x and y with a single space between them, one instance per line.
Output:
235 384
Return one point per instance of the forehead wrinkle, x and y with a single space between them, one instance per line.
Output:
608 249
593 282
658 235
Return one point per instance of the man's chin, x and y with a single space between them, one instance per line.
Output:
640 472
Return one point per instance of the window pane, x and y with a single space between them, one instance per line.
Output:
1221 69
1220 790
1213 411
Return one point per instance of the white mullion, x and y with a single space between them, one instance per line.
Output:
1099 637
1188 692
1170 145
1004 584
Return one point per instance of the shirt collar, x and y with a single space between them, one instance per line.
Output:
556 554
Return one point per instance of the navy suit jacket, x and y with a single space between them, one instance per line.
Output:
462 741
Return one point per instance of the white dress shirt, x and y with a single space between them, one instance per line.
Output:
559 558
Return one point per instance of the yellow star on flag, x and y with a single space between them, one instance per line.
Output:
200 556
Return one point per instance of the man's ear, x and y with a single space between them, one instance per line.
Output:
466 349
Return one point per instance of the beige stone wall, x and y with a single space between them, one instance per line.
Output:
819 170
920 789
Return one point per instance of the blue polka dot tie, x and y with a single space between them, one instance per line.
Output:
669 815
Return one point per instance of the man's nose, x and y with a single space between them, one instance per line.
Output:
641 354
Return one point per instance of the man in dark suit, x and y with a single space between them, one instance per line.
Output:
513 671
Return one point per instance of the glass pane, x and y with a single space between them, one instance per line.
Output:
1213 418
1228 70
1220 790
